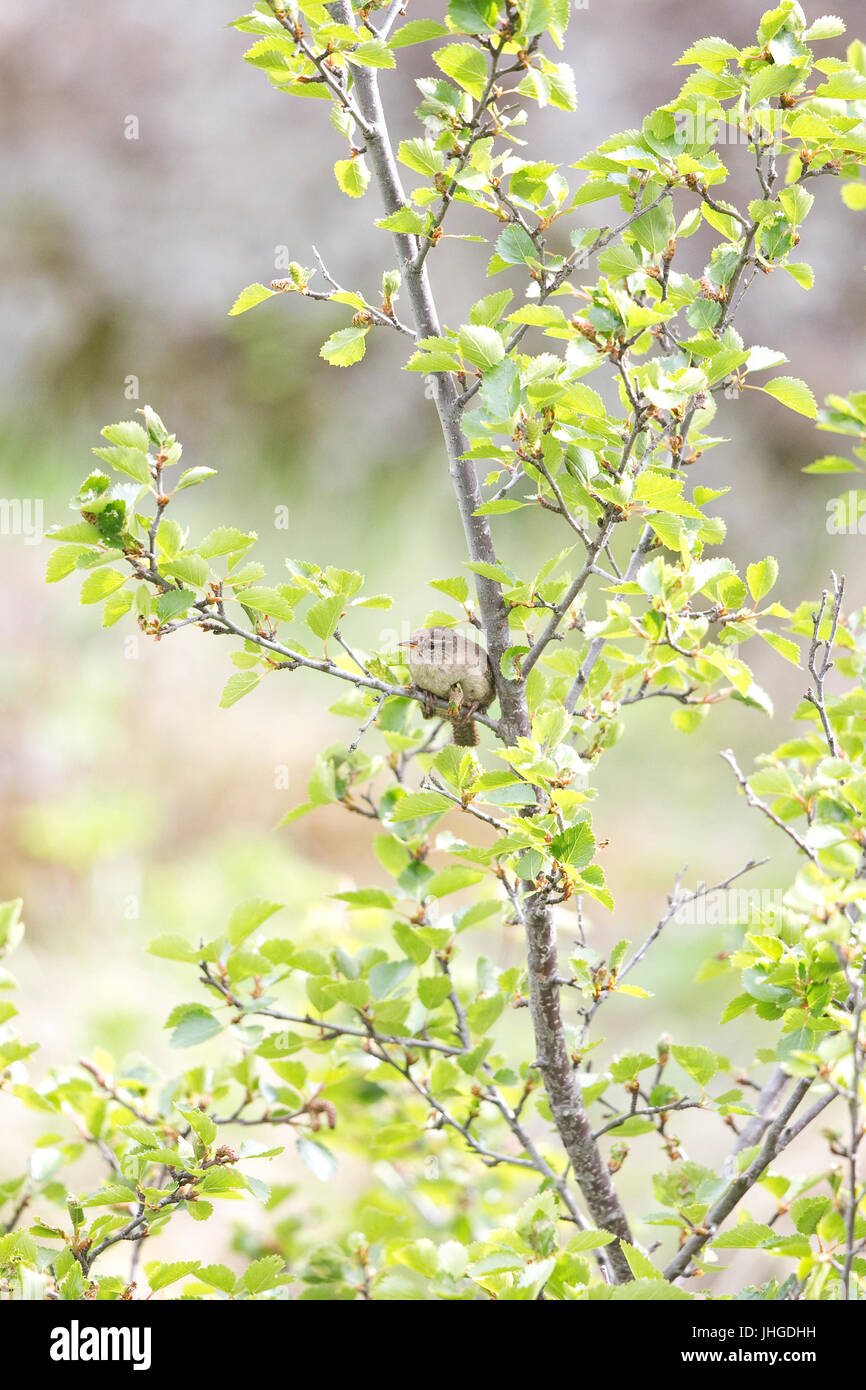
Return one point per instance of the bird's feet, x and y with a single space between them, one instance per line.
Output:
455 701
428 706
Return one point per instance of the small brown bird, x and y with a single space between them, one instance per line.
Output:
449 664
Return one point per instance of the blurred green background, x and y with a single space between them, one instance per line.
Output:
132 805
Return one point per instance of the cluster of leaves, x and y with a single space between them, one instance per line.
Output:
159 1141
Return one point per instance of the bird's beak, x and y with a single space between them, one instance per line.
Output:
408 643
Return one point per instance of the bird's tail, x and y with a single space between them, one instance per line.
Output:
465 733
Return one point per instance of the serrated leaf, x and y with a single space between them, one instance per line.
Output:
174 603
237 686
248 916
353 176
792 392
100 584
159 1276
465 65
192 477
420 804
267 601
372 53
323 617
481 345
345 347
225 540
417 31
192 1024
250 297
749 1235
404 220
762 576
699 1062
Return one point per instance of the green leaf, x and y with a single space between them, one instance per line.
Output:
802 273
806 1212
714 52
783 645
199 1210
749 1235
498 573
500 507
404 220
422 156
640 1264
218 1276
367 897
73 1284
832 463
386 975
192 1024
473 16
501 395
344 347
159 1276
514 247
654 228
190 568
237 686
772 81
457 588
132 462
173 604
372 53
267 601
451 880
574 846
629 1064
225 540
192 477
128 433
434 990
490 309
420 804
761 577
417 31
829 26
353 176
793 393
640 1290
62 562
590 1240
700 1063
117 605
249 915
200 1123
324 616
481 345
250 297
736 1006
465 65
174 948
483 1013
267 1273
100 584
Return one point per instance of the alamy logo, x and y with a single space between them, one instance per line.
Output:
22 516
75 1343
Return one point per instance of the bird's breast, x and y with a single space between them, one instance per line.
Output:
430 676
473 678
